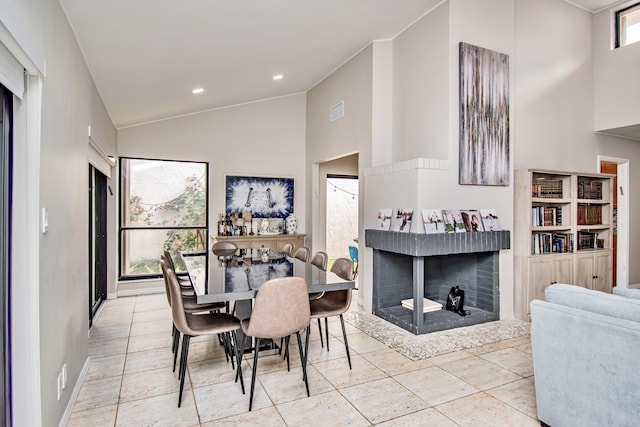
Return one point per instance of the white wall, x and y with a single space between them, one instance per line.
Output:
69 104
330 140
421 79
616 82
264 138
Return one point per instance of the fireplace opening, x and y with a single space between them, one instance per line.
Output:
430 268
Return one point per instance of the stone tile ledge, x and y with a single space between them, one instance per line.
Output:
417 347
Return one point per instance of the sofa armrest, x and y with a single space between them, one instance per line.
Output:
585 366
594 301
627 292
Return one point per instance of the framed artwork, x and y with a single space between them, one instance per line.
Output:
484 116
262 196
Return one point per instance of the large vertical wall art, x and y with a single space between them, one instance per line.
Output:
484 116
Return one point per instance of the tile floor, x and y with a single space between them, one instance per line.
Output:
130 380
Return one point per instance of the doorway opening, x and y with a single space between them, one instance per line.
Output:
342 216
620 242
97 241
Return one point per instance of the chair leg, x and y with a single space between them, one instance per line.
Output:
238 360
176 343
326 330
303 357
320 329
286 352
256 344
228 350
182 359
183 365
346 344
304 363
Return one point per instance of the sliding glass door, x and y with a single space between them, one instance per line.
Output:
6 109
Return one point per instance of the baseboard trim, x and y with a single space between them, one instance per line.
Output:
140 291
74 394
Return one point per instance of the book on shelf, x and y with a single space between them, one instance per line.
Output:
490 220
588 240
546 188
545 243
427 305
546 216
384 219
589 214
471 220
433 221
589 189
402 220
453 221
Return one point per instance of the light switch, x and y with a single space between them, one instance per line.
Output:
44 220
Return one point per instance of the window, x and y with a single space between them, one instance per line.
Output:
164 206
628 25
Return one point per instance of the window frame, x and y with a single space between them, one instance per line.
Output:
124 181
616 23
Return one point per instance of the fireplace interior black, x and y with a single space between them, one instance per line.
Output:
435 266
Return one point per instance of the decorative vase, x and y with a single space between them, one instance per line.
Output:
291 223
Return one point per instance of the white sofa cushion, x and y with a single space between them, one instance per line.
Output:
594 301
627 292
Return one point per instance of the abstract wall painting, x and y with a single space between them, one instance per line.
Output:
484 116
263 197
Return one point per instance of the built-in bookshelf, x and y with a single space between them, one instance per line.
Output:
562 219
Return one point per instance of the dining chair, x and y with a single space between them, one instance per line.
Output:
353 254
185 282
192 325
302 254
320 260
333 303
280 309
287 249
189 303
224 248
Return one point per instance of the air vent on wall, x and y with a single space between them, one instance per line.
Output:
337 111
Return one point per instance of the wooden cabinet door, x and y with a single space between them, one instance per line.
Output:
540 270
584 270
602 272
562 270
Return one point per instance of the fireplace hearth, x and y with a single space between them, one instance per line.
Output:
409 265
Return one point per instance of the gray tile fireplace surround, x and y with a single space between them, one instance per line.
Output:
410 265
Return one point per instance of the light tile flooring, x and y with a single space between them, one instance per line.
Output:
130 380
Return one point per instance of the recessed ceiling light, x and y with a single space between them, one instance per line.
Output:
278 76
197 90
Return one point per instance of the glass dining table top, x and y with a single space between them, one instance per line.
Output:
238 277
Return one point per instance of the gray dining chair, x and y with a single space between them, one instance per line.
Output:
280 309
320 260
224 248
287 249
189 303
302 254
333 303
192 325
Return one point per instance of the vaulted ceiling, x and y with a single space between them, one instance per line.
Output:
146 56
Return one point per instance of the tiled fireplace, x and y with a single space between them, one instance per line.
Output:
410 265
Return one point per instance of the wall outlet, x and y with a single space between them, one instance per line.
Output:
59 385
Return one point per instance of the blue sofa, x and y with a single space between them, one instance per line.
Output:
586 357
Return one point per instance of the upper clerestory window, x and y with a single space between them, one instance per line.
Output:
627 22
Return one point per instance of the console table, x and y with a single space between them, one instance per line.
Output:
269 241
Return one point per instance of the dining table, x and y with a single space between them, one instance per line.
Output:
237 277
